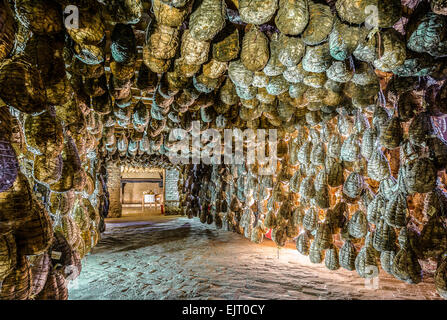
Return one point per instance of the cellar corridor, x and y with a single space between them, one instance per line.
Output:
223 149
173 257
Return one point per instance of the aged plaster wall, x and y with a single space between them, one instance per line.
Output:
133 192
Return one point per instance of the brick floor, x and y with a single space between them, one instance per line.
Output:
158 257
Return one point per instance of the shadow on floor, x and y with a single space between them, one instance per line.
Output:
133 237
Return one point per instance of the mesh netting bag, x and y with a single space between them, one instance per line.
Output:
132 148
388 13
292 16
321 21
433 239
226 45
368 143
394 52
421 66
295 74
420 175
140 114
277 85
144 144
406 266
89 53
315 95
332 99
186 98
396 210
315 255
255 49
96 87
47 170
354 91
43 134
339 72
343 40
59 92
17 285
227 93
214 69
441 276
108 120
366 259
184 69
8 254
91 29
204 84
122 143
21 37
193 51
334 173
378 166
274 66
55 287
207 20
366 50
176 3
384 237
354 185
352 11
122 113
291 50
81 217
146 80
392 134
121 91
439 7
93 123
241 76
246 93
41 17
9 165
315 80
35 235
125 11
61 203
169 15
257 11
45 52
21 85
421 127
317 59
123 46
364 75
430 36
347 255
102 104
71 164
164 41
172 82
7 30
264 97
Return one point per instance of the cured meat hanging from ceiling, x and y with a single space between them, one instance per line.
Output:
355 89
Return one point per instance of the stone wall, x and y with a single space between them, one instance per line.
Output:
114 186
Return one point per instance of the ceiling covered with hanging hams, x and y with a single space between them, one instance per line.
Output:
355 89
